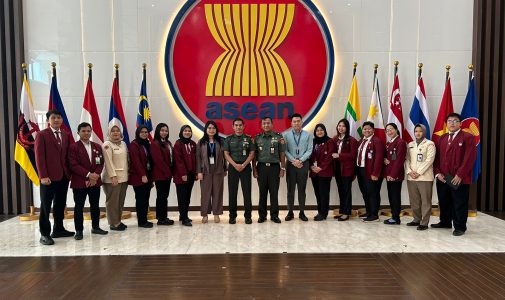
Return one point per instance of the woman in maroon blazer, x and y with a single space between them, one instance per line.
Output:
321 170
162 155
345 171
394 171
184 171
140 174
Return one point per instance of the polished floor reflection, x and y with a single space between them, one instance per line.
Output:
485 234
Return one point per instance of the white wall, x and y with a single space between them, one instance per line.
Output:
131 32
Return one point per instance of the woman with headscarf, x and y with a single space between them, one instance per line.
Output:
321 169
419 169
163 156
184 171
345 171
115 176
394 171
140 173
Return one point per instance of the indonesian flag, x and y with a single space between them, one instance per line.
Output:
90 114
446 108
375 112
395 114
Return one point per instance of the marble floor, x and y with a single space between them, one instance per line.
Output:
485 234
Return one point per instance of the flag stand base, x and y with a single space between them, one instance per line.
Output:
31 216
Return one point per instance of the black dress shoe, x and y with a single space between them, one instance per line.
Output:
146 225
440 225
166 222
458 232
422 227
232 221
318 217
123 225
46 240
117 228
276 220
414 224
99 231
261 219
187 223
371 219
62 233
248 220
391 221
78 235
289 217
343 218
303 217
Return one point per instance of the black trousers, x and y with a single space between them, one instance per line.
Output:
94 208
162 192
268 182
245 182
395 198
322 191
371 193
344 188
184 196
297 177
55 192
142 193
453 205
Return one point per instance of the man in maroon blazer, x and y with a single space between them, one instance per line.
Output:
86 164
369 170
456 153
51 146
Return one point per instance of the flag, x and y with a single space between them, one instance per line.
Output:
375 112
445 109
25 139
56 103
419 111
352 111
144 114
395 114
470 124
116 115
90 114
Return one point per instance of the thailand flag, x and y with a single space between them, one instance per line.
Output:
56 103
90 114
419 111
116 114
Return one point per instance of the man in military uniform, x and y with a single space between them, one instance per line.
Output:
239 152
269 167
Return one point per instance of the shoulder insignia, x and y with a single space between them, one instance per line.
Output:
106 147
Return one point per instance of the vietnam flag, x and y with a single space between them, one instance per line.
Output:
446 108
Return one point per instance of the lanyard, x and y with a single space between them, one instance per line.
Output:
297 142
212 146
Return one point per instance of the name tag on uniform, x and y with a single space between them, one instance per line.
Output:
419 157
211 160
272 150
98 160
370 155
260 148
243 152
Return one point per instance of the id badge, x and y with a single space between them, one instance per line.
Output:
148 166
393 156
211 160
297 151
272 150
260 148
243 152
98 161
419 157
370 155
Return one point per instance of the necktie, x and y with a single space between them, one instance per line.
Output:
360 154
451 137
58 137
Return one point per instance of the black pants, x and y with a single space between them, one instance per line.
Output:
322 191
184 196
57 192
297 177
370 190
162 192
142 193
268 182
395 198
245 182
94 208
344 188
453 205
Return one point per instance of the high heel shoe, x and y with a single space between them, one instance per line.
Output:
205 219
216 219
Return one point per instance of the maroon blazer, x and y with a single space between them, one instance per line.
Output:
80 165
138 164
396 167
374 157
456 158
185 163
323 158
347 157
51 158
162 162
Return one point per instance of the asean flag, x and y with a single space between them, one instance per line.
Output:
116 114
471 124
56 103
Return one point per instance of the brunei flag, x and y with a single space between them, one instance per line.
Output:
144 114
446 108
25 138
352 111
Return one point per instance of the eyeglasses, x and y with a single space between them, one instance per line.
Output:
453 121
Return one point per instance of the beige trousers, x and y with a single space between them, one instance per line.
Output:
420 193
114 201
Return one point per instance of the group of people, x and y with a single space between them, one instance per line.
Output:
268 156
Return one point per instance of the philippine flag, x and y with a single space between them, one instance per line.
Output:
116 115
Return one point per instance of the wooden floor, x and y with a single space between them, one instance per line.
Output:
256 276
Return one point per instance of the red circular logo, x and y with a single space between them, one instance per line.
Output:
249 59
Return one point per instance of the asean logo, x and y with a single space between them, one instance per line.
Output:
249 59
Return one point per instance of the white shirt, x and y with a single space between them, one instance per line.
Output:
454 134
56 130
363 149
341 142
87 146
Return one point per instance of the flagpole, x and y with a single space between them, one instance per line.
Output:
90 72
116 66
447 68
396 63
355 65
375 67
470 73
419 70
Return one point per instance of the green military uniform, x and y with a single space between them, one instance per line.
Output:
269 146
239 148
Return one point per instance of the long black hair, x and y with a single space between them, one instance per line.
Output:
347 128
157 135
205 138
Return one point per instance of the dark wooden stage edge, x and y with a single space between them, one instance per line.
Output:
256 276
